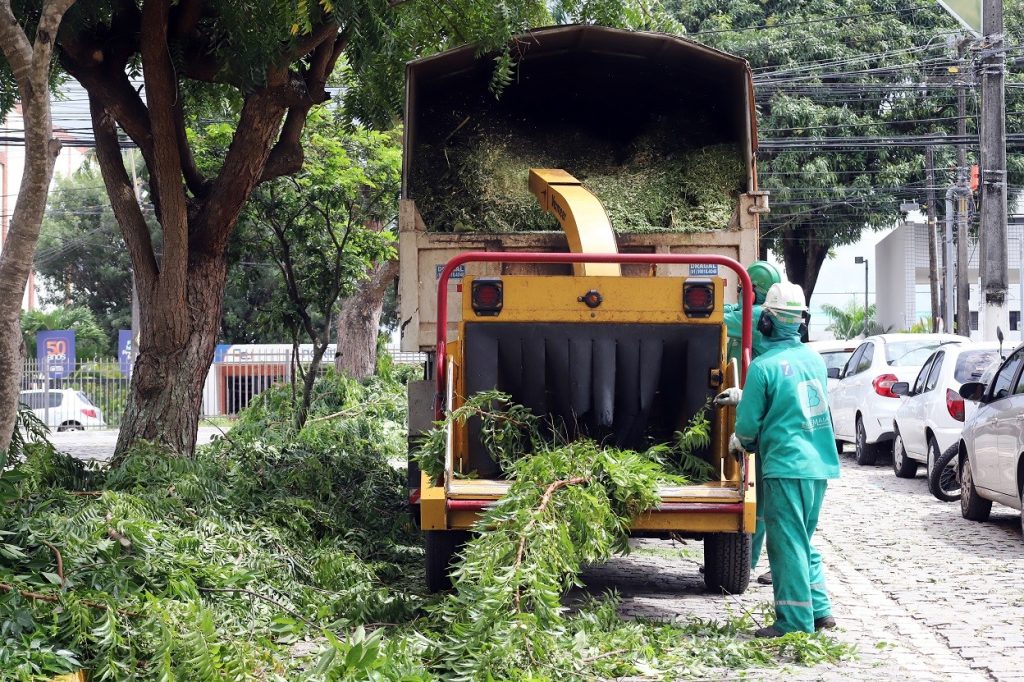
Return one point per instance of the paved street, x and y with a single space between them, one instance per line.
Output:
921 592
98 445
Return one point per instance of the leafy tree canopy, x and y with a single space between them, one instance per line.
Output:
834 73
90 341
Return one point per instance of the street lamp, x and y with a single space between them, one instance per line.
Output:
858 260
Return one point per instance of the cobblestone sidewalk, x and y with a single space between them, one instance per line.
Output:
922 593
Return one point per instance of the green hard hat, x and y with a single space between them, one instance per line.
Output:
763 275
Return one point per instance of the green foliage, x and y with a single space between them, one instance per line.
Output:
680 457
212 568
28 429
848 322
90 339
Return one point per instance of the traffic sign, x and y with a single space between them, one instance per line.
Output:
967 12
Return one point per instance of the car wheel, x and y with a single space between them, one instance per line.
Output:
1021 493
972 505
902 465
943 481
866 453
727 562
71 426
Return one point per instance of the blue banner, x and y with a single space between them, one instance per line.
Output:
55 351
124 351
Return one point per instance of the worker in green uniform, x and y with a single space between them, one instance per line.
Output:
783 415
762 276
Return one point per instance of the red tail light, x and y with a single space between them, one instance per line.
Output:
89 412
883 385
487 296
698 297
954 405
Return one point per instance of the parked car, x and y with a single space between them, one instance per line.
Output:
835 354
63 409
931 415
863 404
991 445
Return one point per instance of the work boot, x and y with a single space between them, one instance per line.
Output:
765 578
770 632
824 623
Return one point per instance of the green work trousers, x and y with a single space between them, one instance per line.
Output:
757 539
791 508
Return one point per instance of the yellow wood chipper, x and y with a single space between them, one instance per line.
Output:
619 338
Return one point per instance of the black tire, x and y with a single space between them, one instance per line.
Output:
866 452
839 447
71 426
902 465
943 477
972 505
727 562
441 547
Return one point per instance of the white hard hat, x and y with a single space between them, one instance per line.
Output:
786 298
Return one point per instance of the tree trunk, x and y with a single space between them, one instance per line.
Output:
30 65
803 260
359 323
166 395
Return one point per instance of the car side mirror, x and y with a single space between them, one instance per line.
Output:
900 388
833 372
972 390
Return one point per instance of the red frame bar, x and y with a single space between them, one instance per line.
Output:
663 508
534 257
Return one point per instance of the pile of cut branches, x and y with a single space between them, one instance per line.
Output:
277 554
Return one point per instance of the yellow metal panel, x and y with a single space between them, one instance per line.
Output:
71 677
750 499
581 215
684 522
642 300
433 507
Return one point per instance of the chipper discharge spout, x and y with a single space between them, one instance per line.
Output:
581 215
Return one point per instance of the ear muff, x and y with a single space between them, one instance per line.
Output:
765 324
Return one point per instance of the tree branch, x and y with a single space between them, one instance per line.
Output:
46 35
165 173
16 48
122 197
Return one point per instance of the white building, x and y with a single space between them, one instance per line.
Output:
901 277
12 165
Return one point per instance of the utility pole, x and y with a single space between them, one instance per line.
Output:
963 261
993 261
933 257
948 257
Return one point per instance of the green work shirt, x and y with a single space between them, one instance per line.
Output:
734 329
783 414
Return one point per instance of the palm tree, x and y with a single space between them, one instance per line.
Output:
848 322
90 341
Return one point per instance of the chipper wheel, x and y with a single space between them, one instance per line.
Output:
441 547
727 562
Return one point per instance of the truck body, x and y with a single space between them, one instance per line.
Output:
620 337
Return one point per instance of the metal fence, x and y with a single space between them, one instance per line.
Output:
94 395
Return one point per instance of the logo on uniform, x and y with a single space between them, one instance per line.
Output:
813 404
787 369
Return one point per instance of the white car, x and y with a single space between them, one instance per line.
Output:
991 445
932 413
63 409
863 404
835 354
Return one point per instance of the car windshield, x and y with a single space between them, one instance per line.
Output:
836 358
83 398
910 353
971 365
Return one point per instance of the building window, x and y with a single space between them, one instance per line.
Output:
1015 320
974 320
